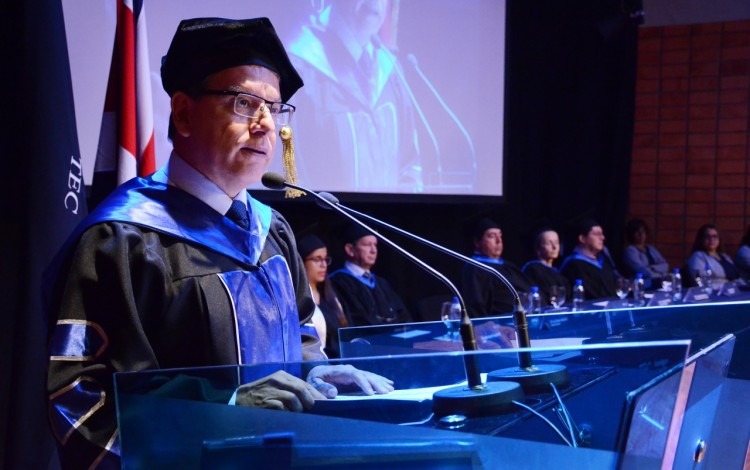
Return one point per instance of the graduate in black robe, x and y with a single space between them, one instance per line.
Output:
485 295
184 268
314 253
542 271
544 276
590 263
368 299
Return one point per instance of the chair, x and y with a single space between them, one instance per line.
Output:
429 308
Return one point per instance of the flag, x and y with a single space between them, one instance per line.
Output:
126 138
43 199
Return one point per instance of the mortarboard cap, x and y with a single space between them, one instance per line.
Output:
482 226
203 46
308 244
584 226
354 232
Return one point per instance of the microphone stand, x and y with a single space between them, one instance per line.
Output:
476 398
533 378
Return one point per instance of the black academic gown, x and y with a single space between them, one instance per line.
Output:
333 324
544 276
599 277
369 303
155 278
486 295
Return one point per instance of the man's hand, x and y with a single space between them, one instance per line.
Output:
324 379
278 391
492 336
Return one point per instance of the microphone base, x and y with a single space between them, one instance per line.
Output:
535 379
491 399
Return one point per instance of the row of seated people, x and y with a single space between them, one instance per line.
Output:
353 296
708 261
591 262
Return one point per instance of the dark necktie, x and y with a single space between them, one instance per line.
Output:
237 213
366 67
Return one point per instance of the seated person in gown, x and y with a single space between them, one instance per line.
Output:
184 268
368 299
707 252
542 271
642 258
327 305
589 262
485 295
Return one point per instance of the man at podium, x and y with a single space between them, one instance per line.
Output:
185 268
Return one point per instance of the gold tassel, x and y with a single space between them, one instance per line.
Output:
290 168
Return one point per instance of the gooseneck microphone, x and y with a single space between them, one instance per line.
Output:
531 377
478 398
276 181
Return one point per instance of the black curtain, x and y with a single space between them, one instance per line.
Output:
42 200
570 91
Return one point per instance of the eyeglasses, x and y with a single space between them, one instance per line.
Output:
321 261
253 106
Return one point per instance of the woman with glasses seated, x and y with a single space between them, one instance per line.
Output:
329 315
708 254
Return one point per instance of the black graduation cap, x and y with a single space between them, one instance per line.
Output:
584 225
354 232
203 46
309 243
482 226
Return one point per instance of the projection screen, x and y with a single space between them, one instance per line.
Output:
426 119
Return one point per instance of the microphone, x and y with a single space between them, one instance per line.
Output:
478 398
532 377
273 181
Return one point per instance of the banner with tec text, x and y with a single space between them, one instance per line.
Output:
43 199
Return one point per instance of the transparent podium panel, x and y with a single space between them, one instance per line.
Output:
706 372
615 406
606 322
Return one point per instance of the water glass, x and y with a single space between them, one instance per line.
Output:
450 319
557 296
